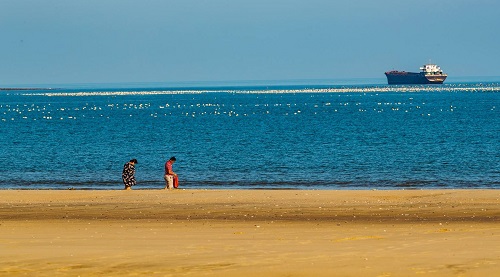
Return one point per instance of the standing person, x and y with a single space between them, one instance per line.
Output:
169 174
128 174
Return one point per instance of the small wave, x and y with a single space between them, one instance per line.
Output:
115 93
273 185
370 89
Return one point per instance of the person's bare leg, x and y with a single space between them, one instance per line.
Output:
166 182
169 182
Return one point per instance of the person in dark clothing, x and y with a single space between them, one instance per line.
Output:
128 174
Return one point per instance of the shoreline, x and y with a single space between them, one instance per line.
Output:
445 232
160 188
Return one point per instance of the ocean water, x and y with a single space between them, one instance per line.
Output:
253 136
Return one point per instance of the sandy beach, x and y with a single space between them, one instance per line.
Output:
250 233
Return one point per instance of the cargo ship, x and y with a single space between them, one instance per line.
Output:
429 74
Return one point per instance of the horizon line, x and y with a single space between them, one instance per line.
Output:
257 82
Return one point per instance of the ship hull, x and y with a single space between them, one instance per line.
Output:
404 78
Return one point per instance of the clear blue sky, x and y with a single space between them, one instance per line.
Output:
107 41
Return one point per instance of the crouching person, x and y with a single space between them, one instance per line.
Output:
128 174
170 176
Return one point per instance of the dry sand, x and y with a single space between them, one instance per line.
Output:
250 233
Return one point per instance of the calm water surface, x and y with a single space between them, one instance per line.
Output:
314 137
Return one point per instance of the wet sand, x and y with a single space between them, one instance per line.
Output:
250 233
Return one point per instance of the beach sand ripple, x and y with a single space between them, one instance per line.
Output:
250 233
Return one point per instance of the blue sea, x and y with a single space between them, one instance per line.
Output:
253 136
